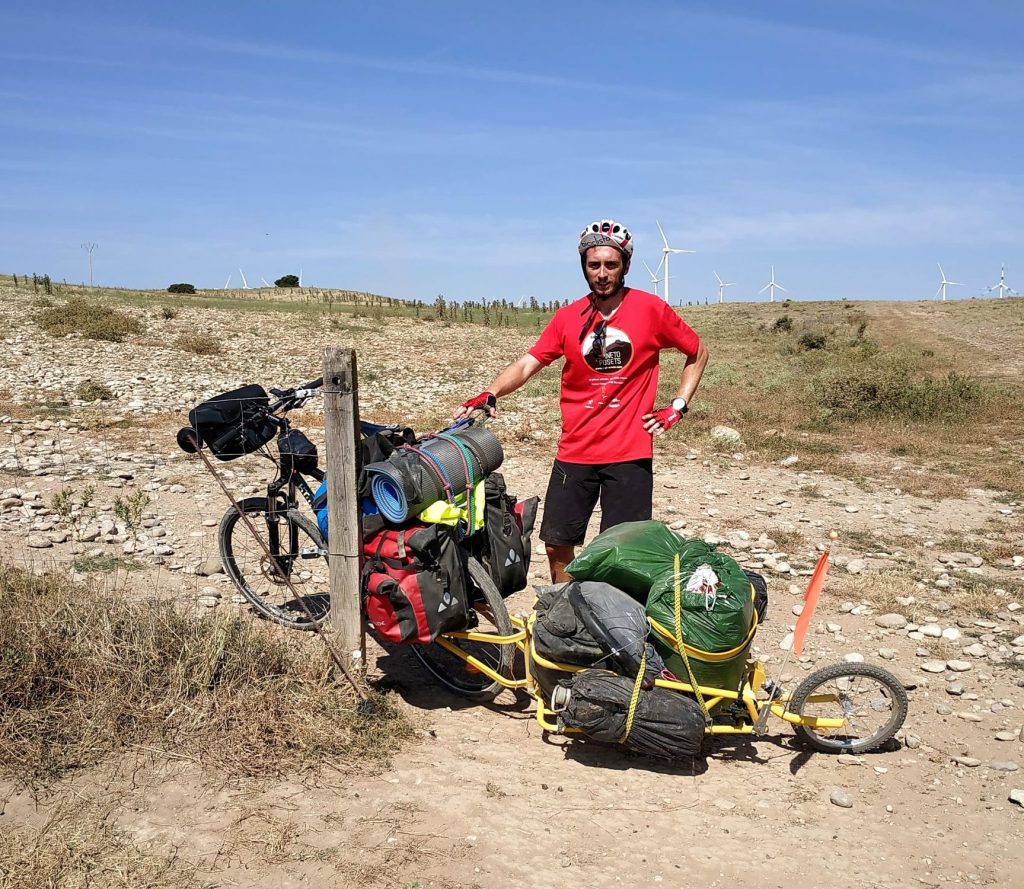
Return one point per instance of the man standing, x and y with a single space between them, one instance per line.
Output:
611 341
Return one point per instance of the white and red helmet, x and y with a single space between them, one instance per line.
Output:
607 233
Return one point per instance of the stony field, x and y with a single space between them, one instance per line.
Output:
929 584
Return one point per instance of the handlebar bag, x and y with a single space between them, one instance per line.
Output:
415 585
298 453
233 424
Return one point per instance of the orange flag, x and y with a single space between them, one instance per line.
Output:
810 602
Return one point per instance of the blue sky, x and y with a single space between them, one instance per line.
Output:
412 149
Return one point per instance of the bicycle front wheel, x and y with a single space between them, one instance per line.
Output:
456 673
282 571
871 702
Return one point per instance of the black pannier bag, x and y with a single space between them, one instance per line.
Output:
508 527
231 425
297 452
665 724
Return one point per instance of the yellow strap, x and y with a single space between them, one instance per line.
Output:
681 646
635 697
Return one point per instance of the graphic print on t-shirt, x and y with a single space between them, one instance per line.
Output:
607 349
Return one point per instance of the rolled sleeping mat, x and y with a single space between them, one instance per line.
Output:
411 480
387 492
453 451
404 486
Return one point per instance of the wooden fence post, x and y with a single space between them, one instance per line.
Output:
341 434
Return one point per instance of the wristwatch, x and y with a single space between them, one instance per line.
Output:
679 405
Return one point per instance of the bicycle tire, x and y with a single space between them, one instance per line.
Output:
453 672
263 586
868 690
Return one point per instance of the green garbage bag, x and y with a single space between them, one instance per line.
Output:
631 556
715 597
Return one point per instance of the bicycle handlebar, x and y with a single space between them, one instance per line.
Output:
294 397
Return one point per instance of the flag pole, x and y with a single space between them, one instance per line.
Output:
814 586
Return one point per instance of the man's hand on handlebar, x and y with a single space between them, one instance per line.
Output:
485 401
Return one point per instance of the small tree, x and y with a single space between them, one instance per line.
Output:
182 288
287 281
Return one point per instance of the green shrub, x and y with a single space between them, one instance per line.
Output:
287 281
199 344
181 288
94 322
889 390
90 390
782 324
168 313
813 339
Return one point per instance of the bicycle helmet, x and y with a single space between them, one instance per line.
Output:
607 233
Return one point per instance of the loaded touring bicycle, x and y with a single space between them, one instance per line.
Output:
647 647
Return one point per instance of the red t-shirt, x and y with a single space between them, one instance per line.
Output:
606 390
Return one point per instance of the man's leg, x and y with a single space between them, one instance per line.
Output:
558 558
627 491
568 504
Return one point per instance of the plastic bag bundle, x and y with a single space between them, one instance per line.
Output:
632 556
715 599
665 723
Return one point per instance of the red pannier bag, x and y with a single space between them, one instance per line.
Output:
414 583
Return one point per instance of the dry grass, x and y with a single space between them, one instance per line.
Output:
78 846
970 596
879 385
86 675
199 344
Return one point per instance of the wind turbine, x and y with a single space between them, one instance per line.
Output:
655 280
228 281
667 251
300 276
771 284
945 284
1001 286
722 285
245 284
264 280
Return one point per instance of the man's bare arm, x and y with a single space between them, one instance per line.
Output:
510 379
693 370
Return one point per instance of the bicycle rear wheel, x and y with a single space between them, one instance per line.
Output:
297 559
453 671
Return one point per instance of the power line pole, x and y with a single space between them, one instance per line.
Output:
88 247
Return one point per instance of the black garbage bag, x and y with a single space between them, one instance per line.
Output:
558 633
588 624
666 723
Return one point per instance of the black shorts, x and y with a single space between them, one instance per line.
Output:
625 489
